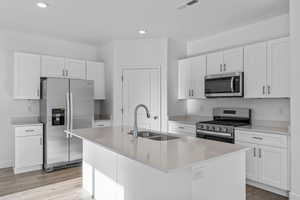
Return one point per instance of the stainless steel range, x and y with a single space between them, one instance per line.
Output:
221 128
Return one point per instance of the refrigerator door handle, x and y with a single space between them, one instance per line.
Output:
71 111
68 113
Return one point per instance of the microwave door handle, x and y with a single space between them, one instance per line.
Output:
232 84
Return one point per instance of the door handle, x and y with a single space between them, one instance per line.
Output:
254 152
269 89
264 90
220 67
67 111
224 67
259 152
192 93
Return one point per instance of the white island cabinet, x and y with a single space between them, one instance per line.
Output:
119 166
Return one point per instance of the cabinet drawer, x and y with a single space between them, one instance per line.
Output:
28 131
262 138
98 124
182 128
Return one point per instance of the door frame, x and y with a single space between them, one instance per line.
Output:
142 68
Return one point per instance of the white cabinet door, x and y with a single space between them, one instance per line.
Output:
183 79
53 67
28 151
278 68
197 74
273 166
251 161
75 69
233 60
255 70
26 76
215 63
95 72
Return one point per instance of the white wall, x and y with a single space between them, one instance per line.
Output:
263 109
13 41
176 50
267 29
295 99
139 54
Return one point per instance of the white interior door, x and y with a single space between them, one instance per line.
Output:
142 86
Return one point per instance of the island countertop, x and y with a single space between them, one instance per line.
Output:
163 155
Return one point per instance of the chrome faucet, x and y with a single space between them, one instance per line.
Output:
135 127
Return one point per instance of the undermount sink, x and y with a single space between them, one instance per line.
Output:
145 134
163 138
154 136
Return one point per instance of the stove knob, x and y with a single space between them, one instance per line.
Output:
218 129
207 127
225 130
212 128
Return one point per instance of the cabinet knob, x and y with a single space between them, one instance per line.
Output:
155 117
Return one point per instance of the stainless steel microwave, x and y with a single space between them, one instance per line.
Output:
224 85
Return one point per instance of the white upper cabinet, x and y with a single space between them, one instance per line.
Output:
278 68
183 78
267 69
255 70
191 73
197 74
26 76
53 67
75 69
215 63
95 72
231 60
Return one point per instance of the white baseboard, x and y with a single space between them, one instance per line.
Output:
27 169
269 188
5 164
294 196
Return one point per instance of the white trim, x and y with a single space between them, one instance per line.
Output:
27 169
268 188
294 196
5 164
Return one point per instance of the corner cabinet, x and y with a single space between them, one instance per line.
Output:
26 76
267 69
191 73
231 60
267 158
95 72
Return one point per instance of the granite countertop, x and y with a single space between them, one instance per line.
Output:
163 155
272 127
25 121
189 119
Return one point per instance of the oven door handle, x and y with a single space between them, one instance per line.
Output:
231 85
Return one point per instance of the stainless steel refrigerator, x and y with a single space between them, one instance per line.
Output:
66 104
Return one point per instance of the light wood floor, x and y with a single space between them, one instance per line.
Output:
66 185
10 183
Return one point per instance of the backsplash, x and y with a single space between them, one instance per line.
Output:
262 109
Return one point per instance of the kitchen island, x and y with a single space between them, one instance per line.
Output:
119 166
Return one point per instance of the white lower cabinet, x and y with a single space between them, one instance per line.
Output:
28 144
181 128
267 160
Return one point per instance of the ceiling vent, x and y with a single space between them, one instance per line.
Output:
187 4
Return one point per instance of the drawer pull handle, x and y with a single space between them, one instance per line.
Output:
181 127
258 138
29 130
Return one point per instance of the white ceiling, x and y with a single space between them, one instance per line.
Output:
96 21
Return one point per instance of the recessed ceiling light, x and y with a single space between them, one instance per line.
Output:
42 4
142 32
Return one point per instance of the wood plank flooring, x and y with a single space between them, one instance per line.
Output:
66 185
10 183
